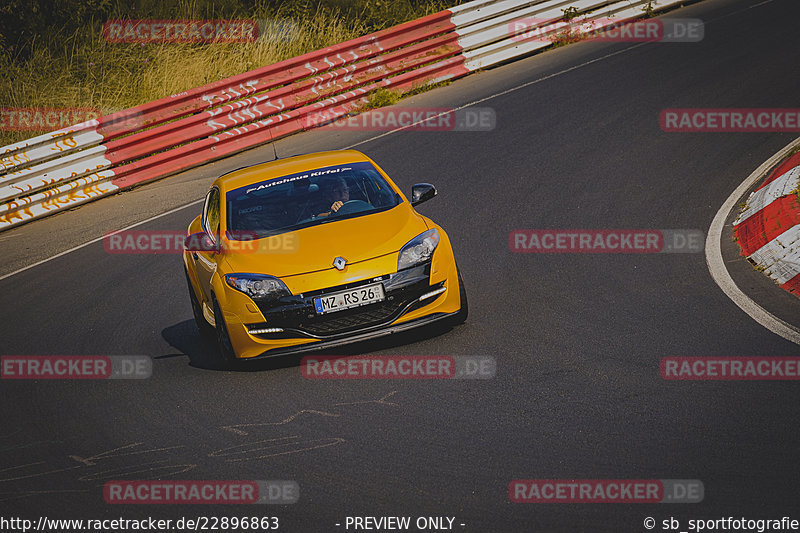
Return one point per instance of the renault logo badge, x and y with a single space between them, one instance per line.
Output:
339 263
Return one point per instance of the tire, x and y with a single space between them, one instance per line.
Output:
461 316
226 353
206 330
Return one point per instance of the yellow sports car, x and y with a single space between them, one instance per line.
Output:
316 251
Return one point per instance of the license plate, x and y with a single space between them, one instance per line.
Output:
339 301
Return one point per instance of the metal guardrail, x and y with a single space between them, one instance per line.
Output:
73 165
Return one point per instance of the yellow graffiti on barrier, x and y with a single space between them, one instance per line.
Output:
67 138
8 217
48 202
54 199
20 158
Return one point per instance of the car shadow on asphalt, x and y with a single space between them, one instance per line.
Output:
202 353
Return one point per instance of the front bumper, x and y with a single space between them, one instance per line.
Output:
296 316
413 297
358 336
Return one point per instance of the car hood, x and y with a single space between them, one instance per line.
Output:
314 249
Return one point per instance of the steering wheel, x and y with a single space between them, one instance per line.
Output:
353 206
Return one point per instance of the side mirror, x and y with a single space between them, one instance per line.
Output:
422 192
200 242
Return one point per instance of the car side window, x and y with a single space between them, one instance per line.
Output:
211 214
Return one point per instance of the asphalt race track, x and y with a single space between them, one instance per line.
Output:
577 338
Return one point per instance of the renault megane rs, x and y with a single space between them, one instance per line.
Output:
316 251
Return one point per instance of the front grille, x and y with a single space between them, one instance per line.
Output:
372 315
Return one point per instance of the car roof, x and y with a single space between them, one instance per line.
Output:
283 167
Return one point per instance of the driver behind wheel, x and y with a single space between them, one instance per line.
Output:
336 193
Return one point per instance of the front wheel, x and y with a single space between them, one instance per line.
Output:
206 331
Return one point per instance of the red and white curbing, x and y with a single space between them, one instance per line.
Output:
768 228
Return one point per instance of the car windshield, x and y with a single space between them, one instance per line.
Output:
308 198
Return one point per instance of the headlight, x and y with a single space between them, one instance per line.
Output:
418 250
258 286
